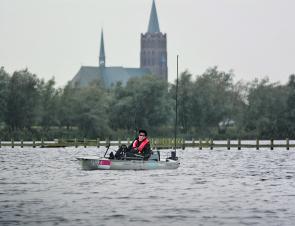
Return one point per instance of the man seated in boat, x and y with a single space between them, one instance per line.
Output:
139 148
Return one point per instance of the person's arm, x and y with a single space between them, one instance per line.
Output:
147 151
130 148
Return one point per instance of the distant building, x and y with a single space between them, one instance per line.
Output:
153 53
153 60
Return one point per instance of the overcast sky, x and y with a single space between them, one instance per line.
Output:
255 38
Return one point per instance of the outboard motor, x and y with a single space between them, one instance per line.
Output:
173 156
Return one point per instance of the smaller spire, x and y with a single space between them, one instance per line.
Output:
153 23
101 52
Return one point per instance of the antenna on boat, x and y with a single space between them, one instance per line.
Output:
108 146
173 153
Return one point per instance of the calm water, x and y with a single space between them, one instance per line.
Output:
219 187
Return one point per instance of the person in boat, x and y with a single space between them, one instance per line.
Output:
141 145
139 148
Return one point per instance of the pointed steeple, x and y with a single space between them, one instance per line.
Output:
102 59
153 23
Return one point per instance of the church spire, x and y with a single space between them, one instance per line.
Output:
153 23
101 53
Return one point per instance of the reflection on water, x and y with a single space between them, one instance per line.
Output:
211 187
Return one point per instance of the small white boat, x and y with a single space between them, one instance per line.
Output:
102 163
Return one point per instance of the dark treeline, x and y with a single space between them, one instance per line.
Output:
210 105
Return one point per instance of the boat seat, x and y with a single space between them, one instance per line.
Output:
155 156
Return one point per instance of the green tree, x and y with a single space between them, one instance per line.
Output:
289 124
212 99
122 108
267 104
90 111
143 103
48 104
237 106
22 100
185 96
65 106
4 83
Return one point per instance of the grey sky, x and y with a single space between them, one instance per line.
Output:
255 38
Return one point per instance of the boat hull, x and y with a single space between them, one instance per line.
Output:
97 163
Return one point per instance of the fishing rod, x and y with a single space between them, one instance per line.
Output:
108 146
136 128
176 110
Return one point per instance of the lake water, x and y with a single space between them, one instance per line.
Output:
211 187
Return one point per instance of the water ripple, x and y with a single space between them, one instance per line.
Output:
211 187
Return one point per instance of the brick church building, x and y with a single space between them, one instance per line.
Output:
153 59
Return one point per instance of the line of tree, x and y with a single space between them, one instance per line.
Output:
210 105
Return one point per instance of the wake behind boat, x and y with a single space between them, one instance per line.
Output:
153 163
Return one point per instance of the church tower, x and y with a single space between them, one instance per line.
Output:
102 57
153 51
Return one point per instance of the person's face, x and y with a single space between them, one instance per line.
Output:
141 136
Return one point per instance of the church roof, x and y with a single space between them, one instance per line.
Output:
108 75
101 52
153 23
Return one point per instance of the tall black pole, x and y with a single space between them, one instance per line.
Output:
176 104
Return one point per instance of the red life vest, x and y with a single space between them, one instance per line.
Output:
141 146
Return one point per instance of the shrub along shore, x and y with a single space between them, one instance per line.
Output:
210 105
